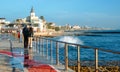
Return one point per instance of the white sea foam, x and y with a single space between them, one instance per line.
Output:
71 39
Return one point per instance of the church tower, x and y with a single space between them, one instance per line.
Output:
32 13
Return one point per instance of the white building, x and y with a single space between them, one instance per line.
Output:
76 27
32 18
37 23
3 22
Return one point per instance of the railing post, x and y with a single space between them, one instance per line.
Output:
36 44
43 46
51 50
47 48
78 58
11 47
66 56
13 68
39 45
96 60
57 53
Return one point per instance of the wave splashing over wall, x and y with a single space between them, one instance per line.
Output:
71 39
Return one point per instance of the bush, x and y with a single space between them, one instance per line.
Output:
57 28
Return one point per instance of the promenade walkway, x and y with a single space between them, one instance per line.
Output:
6 55
9 61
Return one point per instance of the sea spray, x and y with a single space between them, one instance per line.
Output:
70 39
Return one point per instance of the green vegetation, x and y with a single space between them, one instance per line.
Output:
49 26
57 28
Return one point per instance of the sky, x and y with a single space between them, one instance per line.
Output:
93 13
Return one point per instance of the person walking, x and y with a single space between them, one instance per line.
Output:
21 35
26 53
30 36
25 35
18 32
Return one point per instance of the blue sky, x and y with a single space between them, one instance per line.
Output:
94 13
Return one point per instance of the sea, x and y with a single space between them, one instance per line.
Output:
101 39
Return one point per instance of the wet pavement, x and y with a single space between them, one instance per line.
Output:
7 61
15 59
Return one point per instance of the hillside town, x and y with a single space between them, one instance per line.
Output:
40 25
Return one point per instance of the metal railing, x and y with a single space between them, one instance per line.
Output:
13 58
48 51
11 49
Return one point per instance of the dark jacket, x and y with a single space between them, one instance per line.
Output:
25 32
30 32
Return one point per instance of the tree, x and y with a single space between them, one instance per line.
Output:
42 17
57 28
49 25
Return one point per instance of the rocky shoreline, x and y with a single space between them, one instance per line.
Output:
89 66
100 69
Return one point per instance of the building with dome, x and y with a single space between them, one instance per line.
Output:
32 18
37 23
